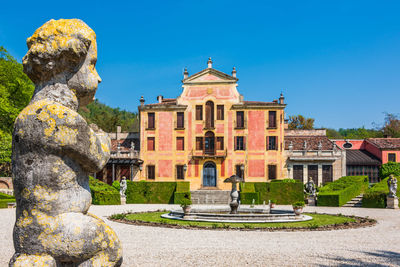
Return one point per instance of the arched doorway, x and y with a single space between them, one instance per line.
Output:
209 114
209 174
209 143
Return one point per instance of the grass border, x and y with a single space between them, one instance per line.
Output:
360 222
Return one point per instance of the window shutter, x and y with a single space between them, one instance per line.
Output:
244 142
267 142
235 141
276 143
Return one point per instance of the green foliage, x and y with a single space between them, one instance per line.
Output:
375 197
300 122
391 125
178 196
150 192
389 168
339 192
298 204
116 185
283 191
6 196
16 90
183 187
108 118
103 194
4 202
273 201
184 202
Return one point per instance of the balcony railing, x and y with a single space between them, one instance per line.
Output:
133 154
208 154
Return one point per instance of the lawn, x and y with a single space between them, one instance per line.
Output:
318 221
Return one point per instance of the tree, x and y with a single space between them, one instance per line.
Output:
391 125
300 122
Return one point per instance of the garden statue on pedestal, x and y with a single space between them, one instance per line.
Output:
392 201
310 189
122 190
234 179
54 150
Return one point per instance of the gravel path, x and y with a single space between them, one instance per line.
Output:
154 246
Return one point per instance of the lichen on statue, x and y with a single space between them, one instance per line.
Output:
54 149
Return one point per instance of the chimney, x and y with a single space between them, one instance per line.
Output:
281 99
118 132
234 72
241 98
141 101
185 74
209 63
160 98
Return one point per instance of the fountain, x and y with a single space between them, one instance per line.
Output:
237 214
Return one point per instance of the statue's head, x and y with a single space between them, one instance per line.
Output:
64 51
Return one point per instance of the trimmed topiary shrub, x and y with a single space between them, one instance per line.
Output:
6 196
389 168
103 194
150 192
375 197
182 192
339 192
116 185
5 199
284 191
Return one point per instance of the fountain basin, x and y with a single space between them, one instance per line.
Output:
244 215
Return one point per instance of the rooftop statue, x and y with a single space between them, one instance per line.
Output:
54 149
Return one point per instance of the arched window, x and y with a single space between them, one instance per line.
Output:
209 114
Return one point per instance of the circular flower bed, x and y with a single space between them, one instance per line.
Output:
319 222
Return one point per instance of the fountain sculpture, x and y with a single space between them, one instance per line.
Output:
234 179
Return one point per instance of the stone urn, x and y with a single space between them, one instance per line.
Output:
234 179
186 209
298 210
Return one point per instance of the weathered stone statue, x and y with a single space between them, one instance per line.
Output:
392 184
54 149
123 186
234 179
310 188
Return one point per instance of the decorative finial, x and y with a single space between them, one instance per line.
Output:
209 62
281 98
320 145
234 72
185 73
141 101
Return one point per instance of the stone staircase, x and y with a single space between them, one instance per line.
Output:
355 202
210 197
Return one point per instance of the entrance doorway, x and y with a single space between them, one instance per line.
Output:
209 175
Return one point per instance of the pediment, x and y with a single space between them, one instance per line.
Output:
210 75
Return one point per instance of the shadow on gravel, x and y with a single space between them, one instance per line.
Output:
389 257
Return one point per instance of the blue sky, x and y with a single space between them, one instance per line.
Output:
335 61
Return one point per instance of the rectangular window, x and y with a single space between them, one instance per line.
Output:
180 143
272 119
239 171
151 120
271 172
180 120
239 119
272 143
150 144
392 157
298 173
313 173
220 112
220 143
239 143
199 143
199 113
327 174
179 172
151 173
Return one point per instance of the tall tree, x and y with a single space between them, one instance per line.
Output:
391 125
301 122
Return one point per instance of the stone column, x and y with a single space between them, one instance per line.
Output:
113 172
319 174
305 173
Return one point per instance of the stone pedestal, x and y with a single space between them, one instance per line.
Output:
392 202
123 200
311 201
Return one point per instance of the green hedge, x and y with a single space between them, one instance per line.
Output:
182 191
4 202
375 197
155 192
284 192
103 194
5 196
339 192
389 168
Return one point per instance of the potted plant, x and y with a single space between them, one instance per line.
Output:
298 207
185 204
272 203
